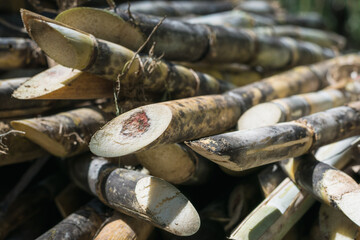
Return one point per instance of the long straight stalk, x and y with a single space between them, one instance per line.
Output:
16 148
246 149
80 225
176 8
63 134
136 194
193 42
294 107
327 184
79 50
192 118
274 217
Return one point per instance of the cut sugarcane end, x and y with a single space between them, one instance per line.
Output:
131 131
349 205
43 140
168 206
103 24
261 115
46 82
66 46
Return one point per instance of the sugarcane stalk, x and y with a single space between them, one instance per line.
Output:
320 37
81 225
176 8
274 217
270 178
29 204
246 149
11 107
234 18
70 199
60 82
192 118
335 225
123 227
260 7
63 134
329 185
294 107
309 19
115 62
15 148
21 73
193 42
176 163
20 52
136 194
237 74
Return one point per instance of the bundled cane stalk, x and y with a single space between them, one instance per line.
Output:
176 8
117 63
15 148
331 186
63 134
60 82
191 118
273 218
80 225
193 42
294 107
136 194
245 149
123 227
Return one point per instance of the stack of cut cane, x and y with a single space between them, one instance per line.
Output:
219 120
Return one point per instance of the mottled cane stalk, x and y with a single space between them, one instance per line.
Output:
260 7
194 42
80 225
60 82
176 8
123 227
11 107
336 226
30 203
320 37
64 134
270 178
176 163
246 149
111 61
239 75
294 107
19 53
136 194
329 185
192 118
15 148
275 216
235 18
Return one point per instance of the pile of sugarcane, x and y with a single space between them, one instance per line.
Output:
171 120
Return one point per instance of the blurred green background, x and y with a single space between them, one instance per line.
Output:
341 16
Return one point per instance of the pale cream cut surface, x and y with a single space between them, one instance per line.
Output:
110 142
39 138
103 24
66 46
46 82
261 115
167 205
